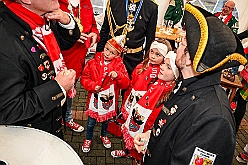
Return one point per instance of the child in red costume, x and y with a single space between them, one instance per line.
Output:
143 111
144 73
103 77
83 13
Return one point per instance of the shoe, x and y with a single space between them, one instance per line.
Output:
105 141
86 145
119 154
74 126
137 162
242 158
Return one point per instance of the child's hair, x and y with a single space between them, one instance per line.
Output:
145 61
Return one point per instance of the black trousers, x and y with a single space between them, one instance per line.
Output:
240 109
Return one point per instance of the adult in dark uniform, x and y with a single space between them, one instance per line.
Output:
196 125
33 77
137 19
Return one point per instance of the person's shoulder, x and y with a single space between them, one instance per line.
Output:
154 2
150 5
116 1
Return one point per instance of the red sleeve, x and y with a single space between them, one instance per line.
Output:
94 29
86 80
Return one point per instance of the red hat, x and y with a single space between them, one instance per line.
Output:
117 42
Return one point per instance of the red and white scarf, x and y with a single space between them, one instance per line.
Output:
144 112
139 88
227 19
44 37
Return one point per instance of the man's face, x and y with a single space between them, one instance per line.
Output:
181 56
228 8
43 6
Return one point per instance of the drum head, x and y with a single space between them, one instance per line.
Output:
29 146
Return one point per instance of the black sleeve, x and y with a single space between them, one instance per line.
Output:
151 29
66 38
243 35
104 34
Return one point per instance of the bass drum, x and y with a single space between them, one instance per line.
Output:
29 146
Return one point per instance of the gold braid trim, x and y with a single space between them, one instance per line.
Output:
204 33
117 27
235 56
109 13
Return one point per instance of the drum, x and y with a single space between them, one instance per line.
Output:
29 146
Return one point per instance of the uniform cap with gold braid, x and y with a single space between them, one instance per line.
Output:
211 44
117 42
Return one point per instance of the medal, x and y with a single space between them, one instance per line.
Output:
131 19
130 27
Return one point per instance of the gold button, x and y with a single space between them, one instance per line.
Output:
43 55
147 104
184 89
127 39
22 37
70 32
26 33
193 98
29 125
54 98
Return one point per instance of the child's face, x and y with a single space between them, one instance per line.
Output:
155 57
166 72
109 52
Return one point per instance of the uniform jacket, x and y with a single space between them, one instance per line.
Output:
144 28
201 118
92 76
29 95
75 57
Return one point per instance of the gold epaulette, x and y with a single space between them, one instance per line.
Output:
154 2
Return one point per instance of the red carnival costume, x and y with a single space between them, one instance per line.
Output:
144 112
103 105
74 57
137 90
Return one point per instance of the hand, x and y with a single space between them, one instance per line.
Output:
97 88
140 141
66 78
58 15
93 38
113 74
83 37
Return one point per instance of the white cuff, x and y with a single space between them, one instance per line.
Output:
71 25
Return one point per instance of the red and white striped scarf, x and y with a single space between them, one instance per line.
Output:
44 37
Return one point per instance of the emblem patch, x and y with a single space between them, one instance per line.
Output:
202 157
